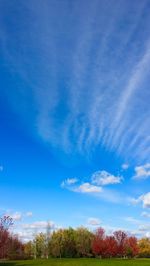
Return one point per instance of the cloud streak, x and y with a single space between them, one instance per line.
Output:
87 77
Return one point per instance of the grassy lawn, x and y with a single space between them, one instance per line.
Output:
78 262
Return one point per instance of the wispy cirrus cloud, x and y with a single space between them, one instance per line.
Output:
87 77
69 181
134 83
132 220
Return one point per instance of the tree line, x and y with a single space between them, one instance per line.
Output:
71 243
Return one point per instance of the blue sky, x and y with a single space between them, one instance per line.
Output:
75 115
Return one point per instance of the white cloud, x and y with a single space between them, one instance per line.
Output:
125 166
69 181
27 231
142 172
38 225
104 178
16 216
145 227
140 231
94 184
134 201
29 214
144 199
25 236
145 214
93 221
88 188
148 234
132 220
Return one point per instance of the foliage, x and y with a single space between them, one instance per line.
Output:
6 222
29 249
132 248
144 247
41 245
121 239
62 243
71 243
83 240
98 244
110 247
80 242
10 246
117 245
16 248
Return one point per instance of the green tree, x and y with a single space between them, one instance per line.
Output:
62 243
56 244
41 245
69 245
83 239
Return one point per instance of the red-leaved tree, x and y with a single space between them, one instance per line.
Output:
98 243
121 238
132 246
5 223
110 246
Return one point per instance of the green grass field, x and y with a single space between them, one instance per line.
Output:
79 262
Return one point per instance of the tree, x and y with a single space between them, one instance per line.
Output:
5 223
16 248
56 244
110 246
131 246
98 243
120 238
68 243
144 247
83 240
29 249
62 243
48 237
41 245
